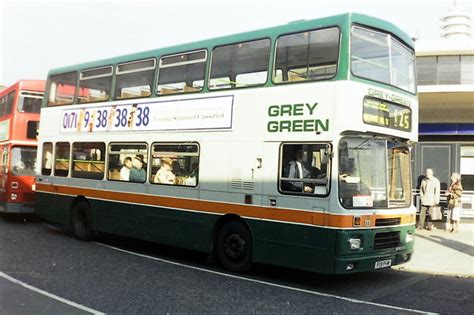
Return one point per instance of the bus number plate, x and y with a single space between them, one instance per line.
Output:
383 264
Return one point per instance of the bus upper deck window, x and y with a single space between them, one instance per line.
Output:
134 79
95 85
62 89
182 73
240 65
306 56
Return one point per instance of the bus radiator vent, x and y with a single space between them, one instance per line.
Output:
386 240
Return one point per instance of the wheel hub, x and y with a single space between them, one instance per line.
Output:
235 246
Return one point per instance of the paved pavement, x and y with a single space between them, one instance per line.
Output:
443 253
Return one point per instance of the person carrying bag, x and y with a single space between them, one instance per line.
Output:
454 203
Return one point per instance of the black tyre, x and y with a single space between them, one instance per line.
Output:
234 246
81 223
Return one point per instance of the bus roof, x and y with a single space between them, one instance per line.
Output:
342 20
35 85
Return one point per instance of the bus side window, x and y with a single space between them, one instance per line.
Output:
47 160
62 89
127 162
307 56
134 79
305 168
61 160
240 65
95 85
175 164
182 73
88 160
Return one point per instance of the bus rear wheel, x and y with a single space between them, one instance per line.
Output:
234 246
81 221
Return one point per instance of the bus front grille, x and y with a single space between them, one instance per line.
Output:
387 221
386 240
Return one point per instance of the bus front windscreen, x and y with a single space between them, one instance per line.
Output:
374 173
23 161
381 57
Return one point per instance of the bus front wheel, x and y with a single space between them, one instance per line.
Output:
234 246
81 221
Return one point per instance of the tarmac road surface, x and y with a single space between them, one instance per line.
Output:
48 271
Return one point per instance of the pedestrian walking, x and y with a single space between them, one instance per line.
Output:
454 203
429 195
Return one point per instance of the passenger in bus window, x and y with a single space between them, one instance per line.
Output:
125 170
137 173
296 168
164 175
48 160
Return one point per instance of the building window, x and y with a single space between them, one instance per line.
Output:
47 160
467 69
305 169
467 167
88 160
127 162
449 70
175 164
427 70
61 161
438 70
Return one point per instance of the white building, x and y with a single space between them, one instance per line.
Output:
445 75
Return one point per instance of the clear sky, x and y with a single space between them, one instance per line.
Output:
36 36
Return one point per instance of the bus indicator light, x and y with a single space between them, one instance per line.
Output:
356 221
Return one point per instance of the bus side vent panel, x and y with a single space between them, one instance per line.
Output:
387 221
236 184
249 186
386 240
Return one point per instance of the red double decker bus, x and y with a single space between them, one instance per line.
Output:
20 106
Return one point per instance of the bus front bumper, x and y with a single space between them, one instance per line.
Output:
370 263
15 207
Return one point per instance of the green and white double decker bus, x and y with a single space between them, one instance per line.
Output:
287 146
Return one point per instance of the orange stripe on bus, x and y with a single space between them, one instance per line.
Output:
277 214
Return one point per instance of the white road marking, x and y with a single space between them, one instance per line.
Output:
50 295
266 283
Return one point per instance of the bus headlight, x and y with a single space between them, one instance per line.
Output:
13 196
409 238
354 243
